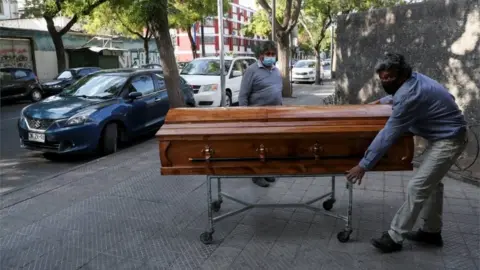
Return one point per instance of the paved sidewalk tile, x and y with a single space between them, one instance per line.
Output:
126 215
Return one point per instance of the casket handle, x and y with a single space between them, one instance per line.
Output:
316 149
207 152
262 152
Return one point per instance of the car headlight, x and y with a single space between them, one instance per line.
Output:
56 86
209 87
80 118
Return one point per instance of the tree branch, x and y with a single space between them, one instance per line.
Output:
294 18
117 17
326 22
287 13
268 9
306 29
75 18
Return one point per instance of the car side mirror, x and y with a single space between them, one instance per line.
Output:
236 73
134 95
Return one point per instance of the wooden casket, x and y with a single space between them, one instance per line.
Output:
277 140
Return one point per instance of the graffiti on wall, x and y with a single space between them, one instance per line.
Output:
15 53
137 58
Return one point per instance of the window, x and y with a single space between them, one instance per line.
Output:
84 72
20 74
159 82
5 76
65 75
142 84
238 66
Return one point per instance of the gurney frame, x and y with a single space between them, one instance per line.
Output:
214 206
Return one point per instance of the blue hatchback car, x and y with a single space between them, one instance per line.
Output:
98 111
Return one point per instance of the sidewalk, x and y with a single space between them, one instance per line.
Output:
120 213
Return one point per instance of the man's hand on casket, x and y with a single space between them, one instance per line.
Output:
355 174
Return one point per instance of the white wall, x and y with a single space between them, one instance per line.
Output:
8 10
46 64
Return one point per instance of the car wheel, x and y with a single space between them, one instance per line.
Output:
36 95
228 99
109 142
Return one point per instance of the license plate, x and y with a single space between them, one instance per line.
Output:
36 137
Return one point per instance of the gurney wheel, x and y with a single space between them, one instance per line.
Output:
328 204
206 238
343 236
216 206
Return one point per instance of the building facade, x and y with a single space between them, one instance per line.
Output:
9 9
239 14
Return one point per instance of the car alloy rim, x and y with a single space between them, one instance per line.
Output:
36 95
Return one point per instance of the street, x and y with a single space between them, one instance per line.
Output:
20 167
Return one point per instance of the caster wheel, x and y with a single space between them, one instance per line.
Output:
206 238
328 204
216 206
343 236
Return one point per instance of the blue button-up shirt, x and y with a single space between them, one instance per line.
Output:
422 106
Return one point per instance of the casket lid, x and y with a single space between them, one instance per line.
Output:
271 119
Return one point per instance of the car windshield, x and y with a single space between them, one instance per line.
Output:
67 74
208 67
305 64
96 86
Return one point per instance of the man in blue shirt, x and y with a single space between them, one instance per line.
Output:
424 107
262 86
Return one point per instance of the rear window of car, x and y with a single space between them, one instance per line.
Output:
23 74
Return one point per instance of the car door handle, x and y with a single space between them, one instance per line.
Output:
157 99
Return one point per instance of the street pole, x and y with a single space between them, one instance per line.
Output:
274 12
222 51
331 51
202 22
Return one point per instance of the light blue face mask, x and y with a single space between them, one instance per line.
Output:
268 61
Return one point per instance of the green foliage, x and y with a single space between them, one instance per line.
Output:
126 20
187 12
318 15
52 8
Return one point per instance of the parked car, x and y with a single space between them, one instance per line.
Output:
97 112
304 71
204 76
18 84
152 66
66 78
326 71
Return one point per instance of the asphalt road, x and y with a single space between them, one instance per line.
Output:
20 167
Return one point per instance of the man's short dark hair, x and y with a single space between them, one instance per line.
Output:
267 46
394 61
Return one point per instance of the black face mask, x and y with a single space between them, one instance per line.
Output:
391 87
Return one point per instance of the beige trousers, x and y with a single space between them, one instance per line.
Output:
425 189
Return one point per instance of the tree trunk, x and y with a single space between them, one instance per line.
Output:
163 40
146 50
192 44
58 43
318 68
284 59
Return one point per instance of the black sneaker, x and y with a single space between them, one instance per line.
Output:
385 244
270 179
425 237
259 181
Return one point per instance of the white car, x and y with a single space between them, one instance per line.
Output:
203 74
304 71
